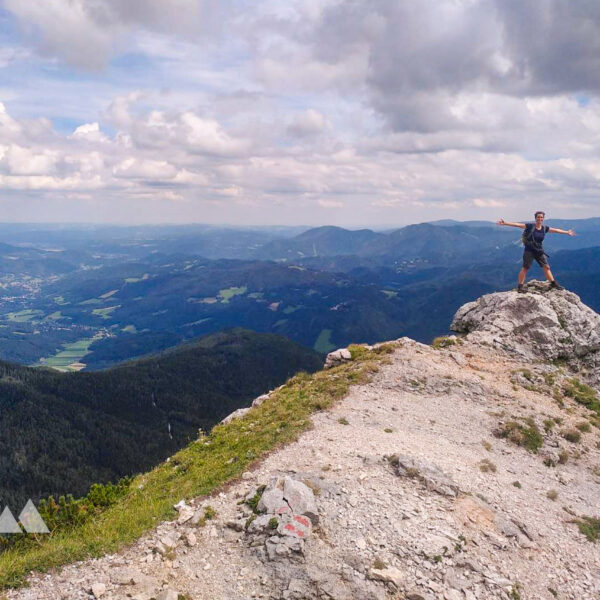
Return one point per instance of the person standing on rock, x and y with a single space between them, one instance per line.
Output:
533 236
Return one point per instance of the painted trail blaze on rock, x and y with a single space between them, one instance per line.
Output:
294 530
297 526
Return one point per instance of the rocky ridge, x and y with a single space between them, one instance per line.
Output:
450 475
541 324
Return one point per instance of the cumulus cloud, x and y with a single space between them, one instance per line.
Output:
309 123
382 111
89 131
86 34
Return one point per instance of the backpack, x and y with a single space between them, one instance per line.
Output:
527 236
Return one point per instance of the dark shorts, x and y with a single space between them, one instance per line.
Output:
529 256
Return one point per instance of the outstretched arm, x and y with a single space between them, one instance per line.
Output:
503 222
566 232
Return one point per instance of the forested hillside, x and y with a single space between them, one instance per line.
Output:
60 432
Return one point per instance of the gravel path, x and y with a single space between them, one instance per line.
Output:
449 526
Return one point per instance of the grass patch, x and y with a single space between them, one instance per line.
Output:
108 294
583 394
487 466
590 527
136 279
55 316
71 353
196 470
548 425
584 427
571 435
23 316
390 294
323 342
527 435
527 374
105 312
443 341
226 294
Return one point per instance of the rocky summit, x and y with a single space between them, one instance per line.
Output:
542 323
465 470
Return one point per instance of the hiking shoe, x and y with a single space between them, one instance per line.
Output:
521 289
556 285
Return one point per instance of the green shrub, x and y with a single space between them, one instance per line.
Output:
527 435
571 435
253 502
69 512
590 527
443 341
583 394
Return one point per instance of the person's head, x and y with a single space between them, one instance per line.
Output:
539 216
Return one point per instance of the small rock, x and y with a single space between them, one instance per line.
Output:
389 574
98 589
430 475
258 401
236 414
272 502
167 595
190 539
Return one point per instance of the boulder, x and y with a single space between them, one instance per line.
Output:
300 499
236 414
428 474
542 323
337 357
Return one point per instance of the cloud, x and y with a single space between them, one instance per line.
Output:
154 170
330 204
87 34
488 202
307 124
89 131
17 160
383 111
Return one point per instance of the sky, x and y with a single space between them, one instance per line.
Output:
357 113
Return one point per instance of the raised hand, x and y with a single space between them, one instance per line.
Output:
500 222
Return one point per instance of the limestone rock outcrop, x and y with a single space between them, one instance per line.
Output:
541 324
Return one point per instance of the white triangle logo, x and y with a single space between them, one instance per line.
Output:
32 520
8 524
